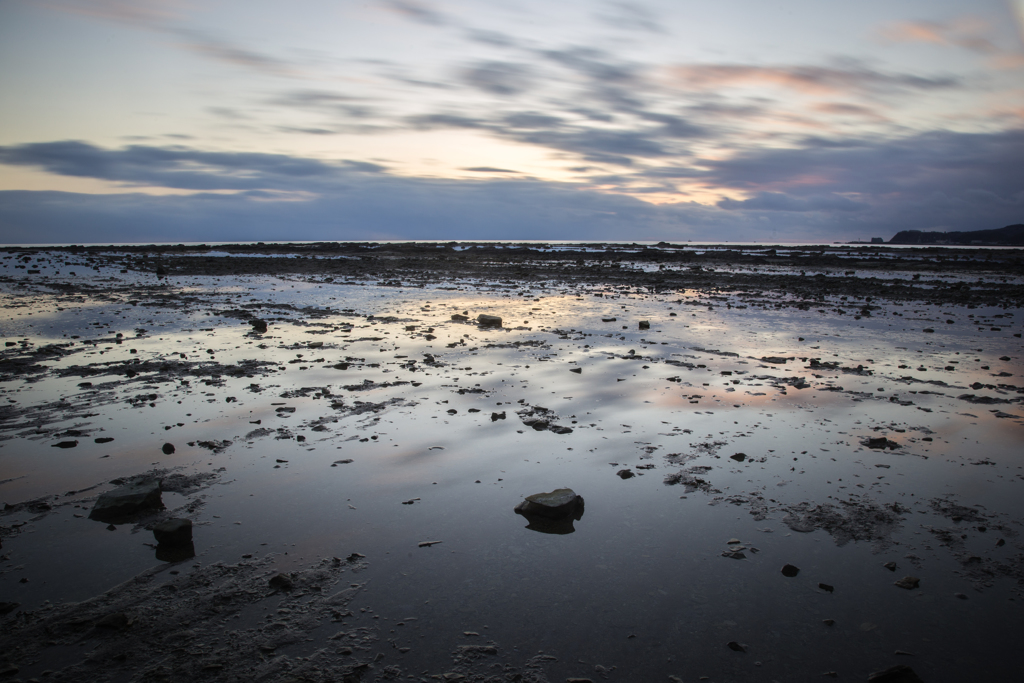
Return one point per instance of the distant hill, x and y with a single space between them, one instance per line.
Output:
1011 235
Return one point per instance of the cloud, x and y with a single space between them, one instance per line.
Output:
498 78
776 201
177 167
810 80
222 50
968 33
887 169
489 169
147 13
420 12
629 16
166 16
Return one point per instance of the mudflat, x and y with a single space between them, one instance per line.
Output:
796 461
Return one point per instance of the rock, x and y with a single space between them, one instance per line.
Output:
775 360
790 571
167 448
901 673
66 444
734 554
427 544
114 621
825 587
739 457
103 439
645 324
488 320
828 622
553 512
173 532
258 325
553 505
625 474
891 566
908 582
578 371
175 553
281 582
736 647
497 416
459 318
124 501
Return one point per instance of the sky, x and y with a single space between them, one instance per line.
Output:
735 120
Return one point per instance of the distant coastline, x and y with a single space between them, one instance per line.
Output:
1011 235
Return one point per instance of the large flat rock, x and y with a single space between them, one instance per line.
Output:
125 501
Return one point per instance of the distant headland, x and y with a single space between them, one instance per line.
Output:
1011 235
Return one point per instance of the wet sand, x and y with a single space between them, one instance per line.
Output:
335 409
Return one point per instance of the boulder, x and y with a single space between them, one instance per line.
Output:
488 320
125 501
553 512
173 532
555 504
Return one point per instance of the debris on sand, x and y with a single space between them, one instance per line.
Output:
851 520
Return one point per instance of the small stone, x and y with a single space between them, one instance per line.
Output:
281 582
625 474
739 457
825 587
66 444
576 370
736 647
497 416
734 554
891 566
259 326
645 324
908 582
790 571
167 448
828 622
959 596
